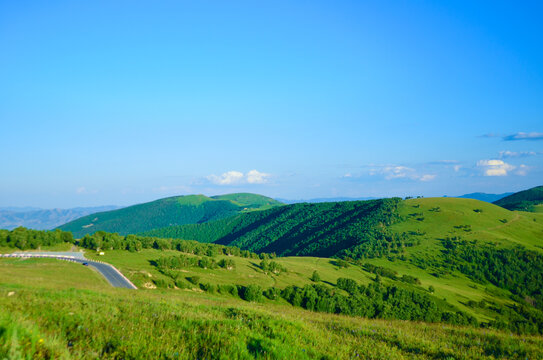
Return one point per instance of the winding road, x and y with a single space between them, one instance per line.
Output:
112 275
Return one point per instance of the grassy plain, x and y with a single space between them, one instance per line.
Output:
47 320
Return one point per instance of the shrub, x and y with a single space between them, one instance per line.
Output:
194 279
272 293
251 293
227 290
210 288
315 277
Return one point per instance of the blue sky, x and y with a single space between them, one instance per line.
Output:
119 102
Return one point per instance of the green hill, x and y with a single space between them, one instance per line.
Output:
363 229
307 229
170 211
527 200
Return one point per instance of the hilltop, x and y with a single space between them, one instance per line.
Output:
361 228
307 229
527 200
170 211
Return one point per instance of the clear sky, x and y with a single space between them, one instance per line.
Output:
119 102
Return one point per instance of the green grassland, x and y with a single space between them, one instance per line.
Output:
441 217
170 211
42 318
455 254
139 268
49 273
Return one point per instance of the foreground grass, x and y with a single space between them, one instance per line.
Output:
125 324
40 318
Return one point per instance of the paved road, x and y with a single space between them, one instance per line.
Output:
112 275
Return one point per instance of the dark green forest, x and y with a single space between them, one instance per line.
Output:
353 228
522 200
171 211
27 239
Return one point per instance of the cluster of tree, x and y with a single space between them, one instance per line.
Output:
22 238
184 261
372 301
375 301
101 240
352 228
516 269
272 266
523 200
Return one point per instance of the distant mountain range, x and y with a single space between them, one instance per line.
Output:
485 197
42 219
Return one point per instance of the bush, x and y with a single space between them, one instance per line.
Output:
315 277
227 290
194 279
210 288
272 293
163 283
251 293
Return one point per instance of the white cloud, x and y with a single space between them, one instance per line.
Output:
235 178
227 178
257 177
457 168
495 167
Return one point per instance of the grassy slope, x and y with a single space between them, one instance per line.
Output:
50 273
456 288
166 212
43 319
488 223
523 200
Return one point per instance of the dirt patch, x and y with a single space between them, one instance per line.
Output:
149 285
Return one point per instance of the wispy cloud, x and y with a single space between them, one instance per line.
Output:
495 167
391 172
513 154
237 178
522 170
524 136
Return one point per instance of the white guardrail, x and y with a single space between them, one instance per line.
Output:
66 258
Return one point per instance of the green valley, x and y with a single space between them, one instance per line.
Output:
448 265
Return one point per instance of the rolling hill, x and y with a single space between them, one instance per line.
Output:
307 229
527 200
362 228
170 211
